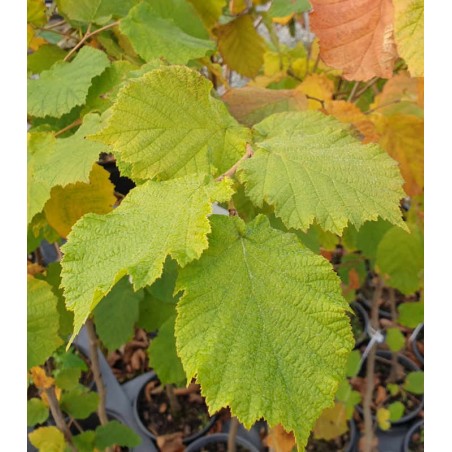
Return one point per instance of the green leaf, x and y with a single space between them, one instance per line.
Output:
241 46
353 363
283 8
115 330
115 433
158 302
309 168
370 235
395 339
400 256
44 58
411 314
393 389
166 124
37 412
96 11
209 11
79 402
65 85
42 322
67 379
155 220
348 397
40 146
71 159
414 382
396 411
143 25
48 439
163 356
262 314
84 442
36 12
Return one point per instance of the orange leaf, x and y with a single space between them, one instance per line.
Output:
353 278
356 36
350 114
279 440
40 379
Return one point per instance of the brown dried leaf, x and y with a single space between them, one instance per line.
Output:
279 440
171 442
40 378
356 36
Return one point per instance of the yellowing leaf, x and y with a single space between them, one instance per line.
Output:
48 439
331 423
40 378
356 36
279 440
36 12
241 47
409 33
34 42
250 105
383 416
309 168
349 113
66 205
237 6
209 11
273 322
151 223
318 86
166 124
402 136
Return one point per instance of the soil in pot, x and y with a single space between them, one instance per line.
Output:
382 396
416 440
154 410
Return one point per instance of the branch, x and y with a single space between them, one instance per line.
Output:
89 34
76 123
397 101
95 367
231 171
368 437
233 427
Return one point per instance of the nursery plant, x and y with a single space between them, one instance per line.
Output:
311 163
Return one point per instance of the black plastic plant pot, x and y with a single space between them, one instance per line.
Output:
359 321
219 442
417 337
416 428
142 423
384 356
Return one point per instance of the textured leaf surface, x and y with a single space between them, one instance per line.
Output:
309 168
261 314
409 33
156 219
66 205
163 356
241 46
42 322
166 124
44 58
65 85
71 160
48 439
400 256
153 36
115 330
356 36
40 146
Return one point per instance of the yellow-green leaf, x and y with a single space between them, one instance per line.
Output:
262 314
48 439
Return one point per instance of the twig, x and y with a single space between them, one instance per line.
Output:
233 428
396 370
397 101
316 64
322 102
89 34
54 25
58 415
76 123
231 171
353 91
95 367
370 83
368 436
175 407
